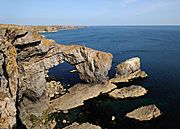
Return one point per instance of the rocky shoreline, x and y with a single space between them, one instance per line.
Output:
27 96
53 28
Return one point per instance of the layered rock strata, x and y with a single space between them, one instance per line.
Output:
78 94
25 93
25 58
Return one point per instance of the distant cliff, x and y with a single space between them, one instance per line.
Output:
52 28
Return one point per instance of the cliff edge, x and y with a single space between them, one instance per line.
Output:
25 58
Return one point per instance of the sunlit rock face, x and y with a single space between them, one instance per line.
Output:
127 67
128 70
92 65
144 113
128 92
25 58
78 94
37 57
8 79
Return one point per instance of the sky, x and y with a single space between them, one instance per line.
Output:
90 12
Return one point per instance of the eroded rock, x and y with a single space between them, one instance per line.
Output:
128 70
25 58
128 67
8 79
82 126
7 111
144 113
128 92
92 65
78 94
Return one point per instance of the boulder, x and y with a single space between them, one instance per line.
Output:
144 113
128 92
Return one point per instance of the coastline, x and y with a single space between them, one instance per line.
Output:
31 55
41 28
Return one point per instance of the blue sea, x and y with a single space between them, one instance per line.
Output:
159 50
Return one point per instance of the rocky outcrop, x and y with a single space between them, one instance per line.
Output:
144 113
33 55
78 94
92 65
75 97
25 57
128 92
82 126
128 70
27 95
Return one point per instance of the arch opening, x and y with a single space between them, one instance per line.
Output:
65 73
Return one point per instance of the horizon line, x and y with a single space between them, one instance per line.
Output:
92 24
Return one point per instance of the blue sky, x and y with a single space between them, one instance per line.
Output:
90 12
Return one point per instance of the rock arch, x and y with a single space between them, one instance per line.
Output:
25 56
36 58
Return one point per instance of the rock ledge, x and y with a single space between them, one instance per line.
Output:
144 113
128 92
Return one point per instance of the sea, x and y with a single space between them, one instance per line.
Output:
159 50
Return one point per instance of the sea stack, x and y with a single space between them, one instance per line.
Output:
128 70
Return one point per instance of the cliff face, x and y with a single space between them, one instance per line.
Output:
25 57
8 78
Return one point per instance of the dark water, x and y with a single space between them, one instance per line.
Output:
159 50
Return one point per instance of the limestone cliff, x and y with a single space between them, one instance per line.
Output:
25 57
